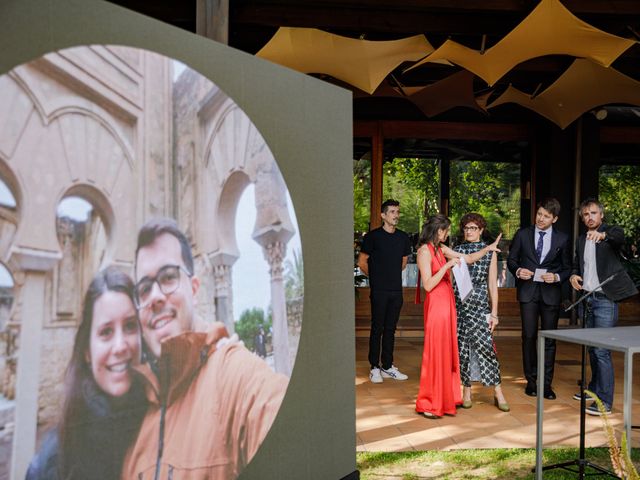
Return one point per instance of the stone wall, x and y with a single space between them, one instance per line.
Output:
108 124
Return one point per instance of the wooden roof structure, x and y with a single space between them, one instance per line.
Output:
475 24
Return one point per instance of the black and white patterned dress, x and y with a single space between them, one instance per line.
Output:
478 360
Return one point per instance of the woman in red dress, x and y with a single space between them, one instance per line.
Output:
440 373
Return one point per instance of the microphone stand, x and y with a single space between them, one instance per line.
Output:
581 462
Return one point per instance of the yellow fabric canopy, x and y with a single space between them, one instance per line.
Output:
584 86
550 29
454 91
362 63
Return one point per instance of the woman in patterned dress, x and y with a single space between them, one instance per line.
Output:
439 391
476 318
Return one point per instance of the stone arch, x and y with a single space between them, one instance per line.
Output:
235 155
101 118
86 245
227 253
232 190
103 208
35 80
82 153
9 217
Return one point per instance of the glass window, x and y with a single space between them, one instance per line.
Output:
414 182
491 189
619 187
361 185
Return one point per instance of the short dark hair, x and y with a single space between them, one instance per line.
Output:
588 201
551 205
429 233
389 203
159 226
472 218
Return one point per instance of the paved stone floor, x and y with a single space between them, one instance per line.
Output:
386 419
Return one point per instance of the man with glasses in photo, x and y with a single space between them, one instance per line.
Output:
211 401
540 260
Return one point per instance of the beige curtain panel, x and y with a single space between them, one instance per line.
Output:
453 91
361 63
550 29
584 86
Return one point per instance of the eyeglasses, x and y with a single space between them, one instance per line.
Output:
168 280
471 228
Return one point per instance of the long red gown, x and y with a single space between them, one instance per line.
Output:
440 373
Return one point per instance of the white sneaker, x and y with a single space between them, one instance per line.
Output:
374 375
394 373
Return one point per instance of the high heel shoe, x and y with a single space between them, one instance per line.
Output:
503 407
466 403
431 416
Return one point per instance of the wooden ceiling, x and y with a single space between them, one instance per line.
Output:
474 23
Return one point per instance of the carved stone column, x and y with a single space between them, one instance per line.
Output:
223 295
35 264
221 264
274 253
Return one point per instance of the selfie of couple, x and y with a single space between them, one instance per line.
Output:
152 390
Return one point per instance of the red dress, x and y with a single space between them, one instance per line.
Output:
440 373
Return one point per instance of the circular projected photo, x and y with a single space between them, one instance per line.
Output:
151 275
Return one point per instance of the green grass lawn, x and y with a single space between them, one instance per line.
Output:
500 463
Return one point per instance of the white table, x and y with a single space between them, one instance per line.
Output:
621 339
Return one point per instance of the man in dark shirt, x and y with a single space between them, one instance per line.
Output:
382 258
597 258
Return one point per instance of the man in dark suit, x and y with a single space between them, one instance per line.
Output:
597 258
540 260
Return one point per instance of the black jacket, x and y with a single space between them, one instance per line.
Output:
104 428
607 263
522 254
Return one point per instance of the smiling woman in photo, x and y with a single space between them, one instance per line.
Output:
104 404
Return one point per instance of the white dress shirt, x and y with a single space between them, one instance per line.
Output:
590 278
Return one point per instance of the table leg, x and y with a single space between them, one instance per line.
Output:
539 407
626 408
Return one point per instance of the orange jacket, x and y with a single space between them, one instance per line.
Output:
218 405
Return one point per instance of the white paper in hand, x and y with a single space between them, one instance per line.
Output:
537 275
463 279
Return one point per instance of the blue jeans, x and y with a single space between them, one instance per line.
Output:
601 313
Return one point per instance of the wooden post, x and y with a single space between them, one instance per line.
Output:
377 157
212 20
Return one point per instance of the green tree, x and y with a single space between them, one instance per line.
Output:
414 182
619 187
294 277
361 194
249 324
489 188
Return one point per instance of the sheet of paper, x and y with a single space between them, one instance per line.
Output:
537 275
463 279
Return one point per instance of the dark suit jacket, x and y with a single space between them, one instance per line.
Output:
522 254
607 263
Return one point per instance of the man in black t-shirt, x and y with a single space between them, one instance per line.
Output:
382 258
